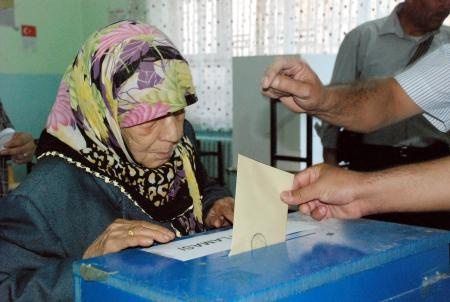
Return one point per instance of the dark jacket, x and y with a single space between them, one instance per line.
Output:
50 220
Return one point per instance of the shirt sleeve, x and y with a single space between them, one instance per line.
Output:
33 264
427 83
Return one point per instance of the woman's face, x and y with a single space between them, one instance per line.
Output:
153 143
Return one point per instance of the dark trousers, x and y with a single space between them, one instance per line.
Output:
363 157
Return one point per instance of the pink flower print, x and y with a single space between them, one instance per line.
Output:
124 31
61 113
144 112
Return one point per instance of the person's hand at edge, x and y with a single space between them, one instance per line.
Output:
20 147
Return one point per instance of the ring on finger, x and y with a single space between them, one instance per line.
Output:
130 232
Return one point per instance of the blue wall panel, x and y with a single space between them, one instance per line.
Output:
27 99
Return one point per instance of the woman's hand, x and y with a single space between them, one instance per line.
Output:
122 234
221 213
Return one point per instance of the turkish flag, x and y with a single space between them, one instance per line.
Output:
29 31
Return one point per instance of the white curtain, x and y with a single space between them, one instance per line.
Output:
210 32
299 26
202 31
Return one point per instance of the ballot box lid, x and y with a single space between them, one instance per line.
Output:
356 259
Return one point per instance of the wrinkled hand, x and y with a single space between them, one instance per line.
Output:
293 82
122 234
324 191
20 147
221 213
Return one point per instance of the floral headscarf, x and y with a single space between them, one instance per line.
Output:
126 74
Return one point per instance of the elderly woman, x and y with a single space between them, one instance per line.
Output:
118 166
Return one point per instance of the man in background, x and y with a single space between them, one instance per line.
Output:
20 149
380 48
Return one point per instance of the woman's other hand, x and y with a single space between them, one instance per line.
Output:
122 234
221 213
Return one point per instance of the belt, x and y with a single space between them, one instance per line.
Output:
373 157
406 151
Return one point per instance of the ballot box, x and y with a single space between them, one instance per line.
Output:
333 260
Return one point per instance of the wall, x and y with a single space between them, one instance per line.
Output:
251 113
30 75
99 13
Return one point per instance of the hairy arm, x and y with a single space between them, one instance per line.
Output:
366 106
323 191
360 106
411 188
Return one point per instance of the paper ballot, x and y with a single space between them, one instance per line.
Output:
5 136
260 216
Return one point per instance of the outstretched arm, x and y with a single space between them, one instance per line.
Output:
367 106
324 191
361 106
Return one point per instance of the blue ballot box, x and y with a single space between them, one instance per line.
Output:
334 260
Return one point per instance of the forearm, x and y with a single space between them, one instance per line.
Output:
411 188
366 106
